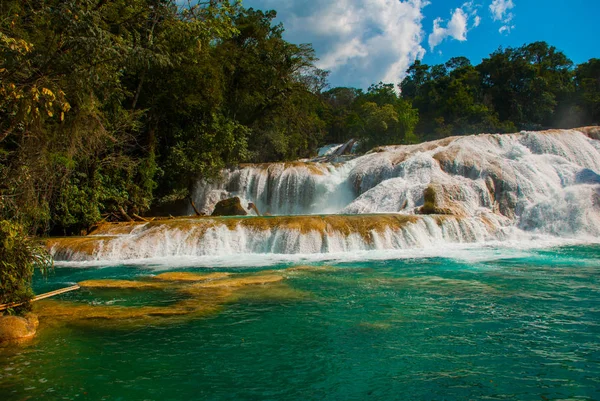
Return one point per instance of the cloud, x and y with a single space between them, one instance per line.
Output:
360 41
456 27
506 28
500 10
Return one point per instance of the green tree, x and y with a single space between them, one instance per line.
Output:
338 108
527 83
383 118
19 255
271 86
80 127
587 80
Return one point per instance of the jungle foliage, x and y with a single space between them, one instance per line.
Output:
531 87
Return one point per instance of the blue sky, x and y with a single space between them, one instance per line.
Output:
367 41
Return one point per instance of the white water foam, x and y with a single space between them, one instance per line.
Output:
472 253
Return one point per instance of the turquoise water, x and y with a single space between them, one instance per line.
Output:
493 325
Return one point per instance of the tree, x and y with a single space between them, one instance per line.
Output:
527 83
272 87
338 108
383 118
587 81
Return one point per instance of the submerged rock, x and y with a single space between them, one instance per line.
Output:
190 277
236 282
198 295
15 329
122 284
229 207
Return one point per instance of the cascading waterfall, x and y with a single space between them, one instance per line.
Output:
275 235
282 188
454 190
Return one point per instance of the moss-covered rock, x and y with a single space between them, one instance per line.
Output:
15 329
229 207
431 202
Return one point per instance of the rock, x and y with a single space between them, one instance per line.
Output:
229 207
16 329
587 176
431 202
237 282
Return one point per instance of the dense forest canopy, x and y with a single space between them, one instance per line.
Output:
123 104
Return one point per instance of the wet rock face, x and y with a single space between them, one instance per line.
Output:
15 329
229 207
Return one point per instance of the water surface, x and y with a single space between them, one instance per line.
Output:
489 325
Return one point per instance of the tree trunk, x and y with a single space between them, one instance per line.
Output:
124 214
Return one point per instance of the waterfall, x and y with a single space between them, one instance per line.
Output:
275 235
281 188
467 189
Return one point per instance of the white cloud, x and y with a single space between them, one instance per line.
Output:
500 10
456 27
359 41
438 35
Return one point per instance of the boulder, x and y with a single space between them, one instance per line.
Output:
587 176
16 329
431 203
229 207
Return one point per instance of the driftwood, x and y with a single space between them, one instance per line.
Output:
252 206
194 207
140 218
95 225
42 296
124 214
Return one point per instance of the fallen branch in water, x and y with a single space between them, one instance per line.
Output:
42 296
